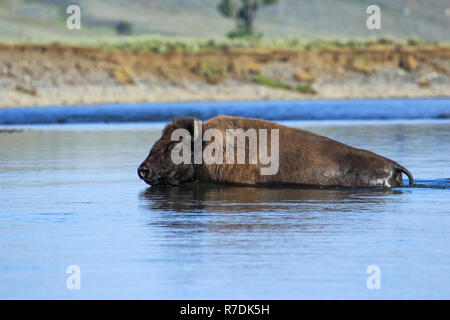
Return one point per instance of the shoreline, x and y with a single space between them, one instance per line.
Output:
210 93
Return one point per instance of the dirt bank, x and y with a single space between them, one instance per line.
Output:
33 75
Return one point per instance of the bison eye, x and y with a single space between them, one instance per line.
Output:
168 147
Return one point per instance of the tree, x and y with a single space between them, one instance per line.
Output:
243 11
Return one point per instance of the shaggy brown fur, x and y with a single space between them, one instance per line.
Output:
304 159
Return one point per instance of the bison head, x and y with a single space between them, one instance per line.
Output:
158 168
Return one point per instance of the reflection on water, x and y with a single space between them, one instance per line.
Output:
72 196
199 208
219 198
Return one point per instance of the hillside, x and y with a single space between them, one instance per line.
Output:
306 19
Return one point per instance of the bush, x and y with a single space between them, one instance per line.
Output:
414 41
124 28
242 33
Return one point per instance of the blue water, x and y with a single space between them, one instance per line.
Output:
70 196
270 110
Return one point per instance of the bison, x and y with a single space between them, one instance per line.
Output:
302 158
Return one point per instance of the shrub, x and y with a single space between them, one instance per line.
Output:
124 28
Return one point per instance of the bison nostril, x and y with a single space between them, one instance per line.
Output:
143 172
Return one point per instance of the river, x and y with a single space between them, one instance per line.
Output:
70 195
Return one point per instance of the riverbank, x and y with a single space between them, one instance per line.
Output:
55 74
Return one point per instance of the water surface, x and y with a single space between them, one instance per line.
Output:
70 196
355 109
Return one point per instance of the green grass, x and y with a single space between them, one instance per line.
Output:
160 44
212 72
303 88
271 83
172 44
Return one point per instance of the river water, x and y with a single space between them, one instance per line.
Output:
70 195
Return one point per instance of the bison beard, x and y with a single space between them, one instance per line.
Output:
305 159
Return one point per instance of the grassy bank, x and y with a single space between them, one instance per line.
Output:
166 44
159 44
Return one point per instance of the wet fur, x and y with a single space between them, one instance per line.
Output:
305 159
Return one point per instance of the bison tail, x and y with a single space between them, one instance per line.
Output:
406 171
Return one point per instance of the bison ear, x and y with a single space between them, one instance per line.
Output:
194 126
